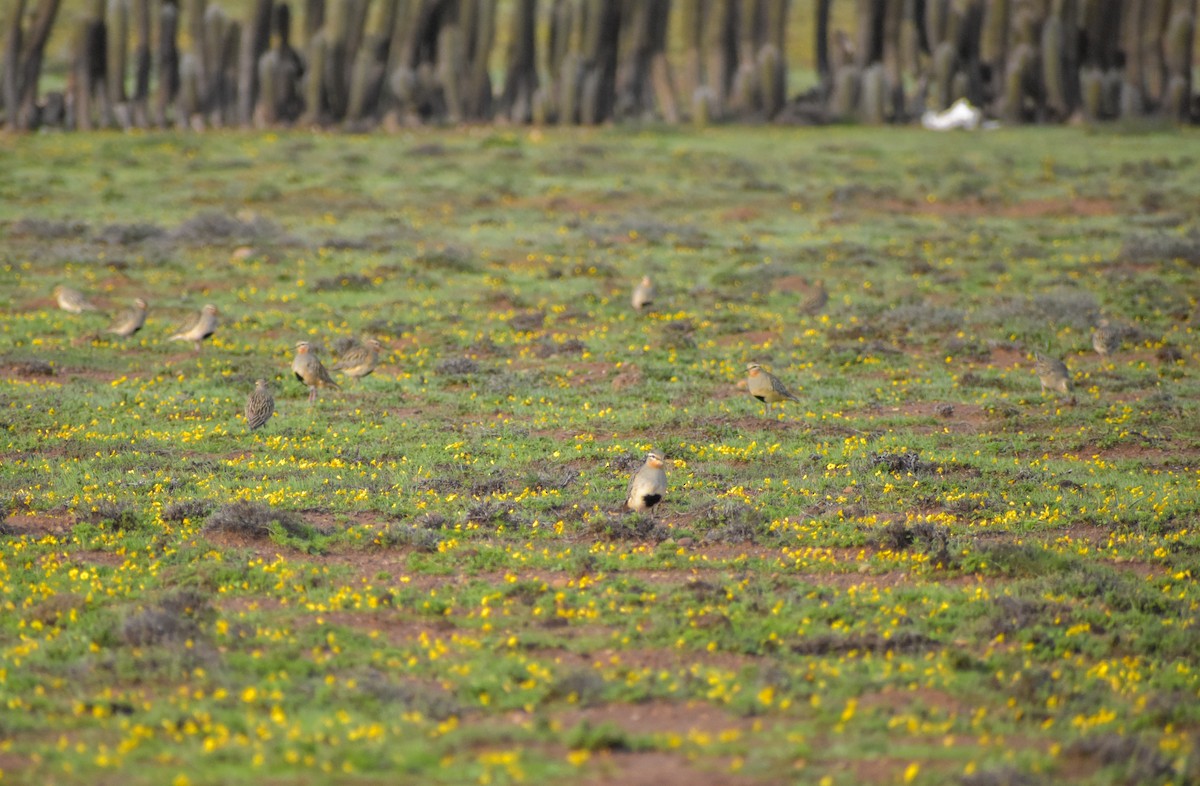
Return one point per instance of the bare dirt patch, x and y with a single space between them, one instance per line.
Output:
654 768
105 558
39 524
660 717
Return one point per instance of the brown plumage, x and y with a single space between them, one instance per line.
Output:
360 360
766 387
1052 373
643 294
818 296
72 300
199 328
648 485
130 321
309 370
260 405
1106 338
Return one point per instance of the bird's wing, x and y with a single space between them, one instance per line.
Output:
189 324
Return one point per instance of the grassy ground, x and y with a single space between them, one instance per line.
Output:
929 571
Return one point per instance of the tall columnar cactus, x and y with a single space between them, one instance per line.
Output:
844 100
691 27
141 65
566 61
10 91
910 40
936 21
1017 77
521 75
1053 74
1091 90
28 53
314 20
256 37
82 81
315 110
873 95
720 52
116 55
195 12
993 40
188 112
365 81
945 62
822 63
265 114
1132 103
745 94
280 70
166 62
1154 67
481 37
449 67
336 62
1177 45
602 25
770 76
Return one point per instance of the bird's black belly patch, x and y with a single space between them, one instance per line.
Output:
650 500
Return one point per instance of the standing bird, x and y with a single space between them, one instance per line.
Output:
260 405
1052 373
643 294
818 296
766 387
199 328
648 484
1106 339
359 360
130 321
72 300
309 370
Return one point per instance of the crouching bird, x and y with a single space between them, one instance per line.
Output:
648 485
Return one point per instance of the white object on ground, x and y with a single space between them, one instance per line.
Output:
960 115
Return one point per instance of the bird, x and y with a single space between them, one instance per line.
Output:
818 296
1106 338
359 360
766 387
199 328
1052 373
130 321
72 300
643 294
309 370
648 485
260 405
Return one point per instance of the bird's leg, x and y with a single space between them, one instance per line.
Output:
312 393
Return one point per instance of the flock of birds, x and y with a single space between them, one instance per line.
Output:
648 485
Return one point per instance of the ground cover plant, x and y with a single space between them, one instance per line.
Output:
926 571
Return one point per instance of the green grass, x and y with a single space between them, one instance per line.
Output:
927 572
